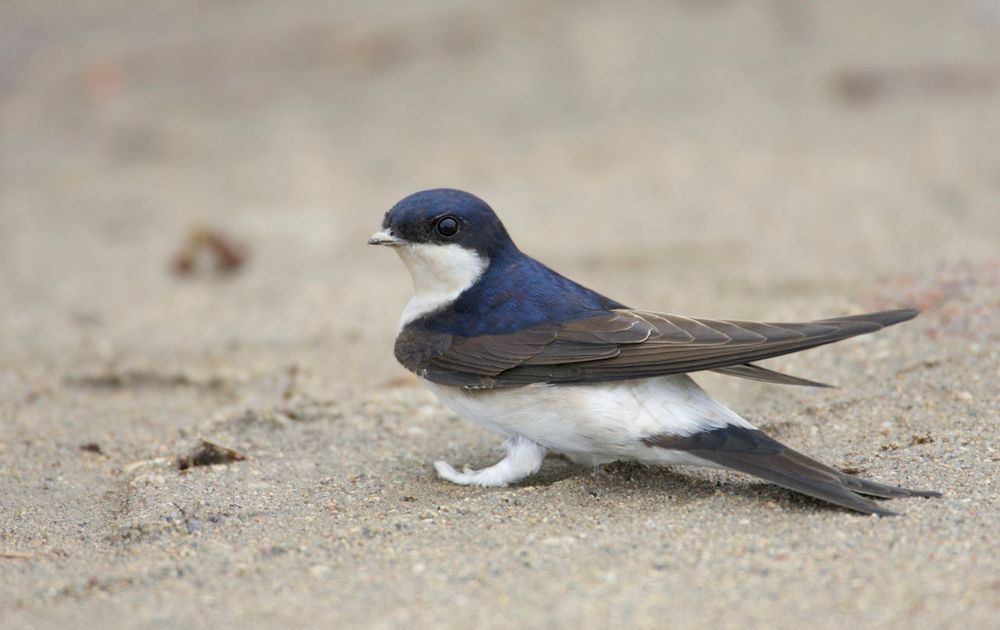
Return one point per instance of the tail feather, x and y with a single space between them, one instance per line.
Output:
753 452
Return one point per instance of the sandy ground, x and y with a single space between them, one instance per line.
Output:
775 160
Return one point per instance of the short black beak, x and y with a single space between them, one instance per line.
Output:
385 237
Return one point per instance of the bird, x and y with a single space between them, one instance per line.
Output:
557 368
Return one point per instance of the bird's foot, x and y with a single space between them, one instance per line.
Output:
465 478
524 458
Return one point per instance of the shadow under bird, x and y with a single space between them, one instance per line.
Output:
554 367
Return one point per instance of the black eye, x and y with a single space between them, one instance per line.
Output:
447 226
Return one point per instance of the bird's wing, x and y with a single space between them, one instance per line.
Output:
623 344
757 373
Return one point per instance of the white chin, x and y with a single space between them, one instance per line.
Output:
440 274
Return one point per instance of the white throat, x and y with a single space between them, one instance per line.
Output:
440 274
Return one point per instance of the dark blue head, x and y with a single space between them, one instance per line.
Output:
445 216
468 277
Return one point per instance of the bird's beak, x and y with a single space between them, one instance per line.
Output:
385 237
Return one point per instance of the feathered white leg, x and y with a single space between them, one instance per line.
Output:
524 458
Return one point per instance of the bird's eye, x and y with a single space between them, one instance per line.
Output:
447 226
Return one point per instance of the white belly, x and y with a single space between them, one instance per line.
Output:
606 420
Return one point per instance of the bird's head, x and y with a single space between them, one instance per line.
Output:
446 237
443 217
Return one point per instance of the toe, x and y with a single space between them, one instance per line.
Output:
445 471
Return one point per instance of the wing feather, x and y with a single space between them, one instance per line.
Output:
623 344
757 373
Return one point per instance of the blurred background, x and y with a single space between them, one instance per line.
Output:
753 158
186 187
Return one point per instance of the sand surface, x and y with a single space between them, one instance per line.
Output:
775 160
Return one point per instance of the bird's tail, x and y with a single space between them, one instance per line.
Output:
753 452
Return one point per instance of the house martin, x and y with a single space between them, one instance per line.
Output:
555 367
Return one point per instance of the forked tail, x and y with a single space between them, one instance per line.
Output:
753 452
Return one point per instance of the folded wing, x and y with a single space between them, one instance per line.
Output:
624 344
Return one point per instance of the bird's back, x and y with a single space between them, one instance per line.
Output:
514 293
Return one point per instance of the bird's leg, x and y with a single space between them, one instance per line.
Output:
524 458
